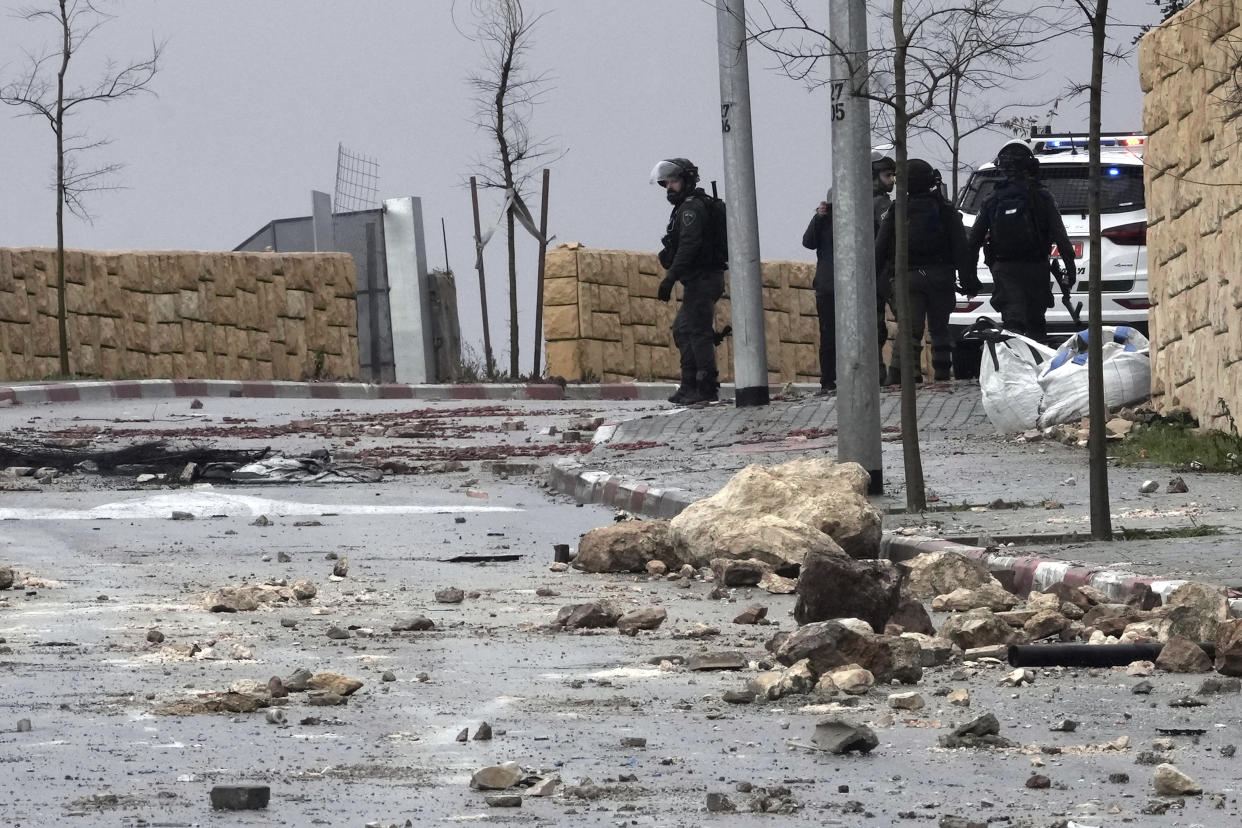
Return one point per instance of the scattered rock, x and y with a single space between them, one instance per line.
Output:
936 573
483 733
852 680
832 585
1064 726
751 615
23 725
990 596
1180 655
657 568
720 803
503 800
911 616
298 681
450 595
587 616
716 661
496 777
418 623
1177 486
778 584
905 701
1038 782
980 732
738 573
840 736
1169 781
463 736
261 520
643 618
626 547
6 577
155 636
959 697
337 633
1149 486
738 696
633 742
240 797
341 568
333 683
276 688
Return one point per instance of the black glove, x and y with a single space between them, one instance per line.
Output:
969 285
1070 272
666 289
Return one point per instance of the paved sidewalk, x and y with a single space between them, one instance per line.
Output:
1020 507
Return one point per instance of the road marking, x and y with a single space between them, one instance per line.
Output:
208 504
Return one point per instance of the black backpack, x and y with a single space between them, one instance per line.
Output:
715 254
1015 233
927 237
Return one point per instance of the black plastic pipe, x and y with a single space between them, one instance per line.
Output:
1088 655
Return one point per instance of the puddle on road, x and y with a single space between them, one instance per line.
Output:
211 504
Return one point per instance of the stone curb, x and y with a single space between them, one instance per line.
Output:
109 390
1025 573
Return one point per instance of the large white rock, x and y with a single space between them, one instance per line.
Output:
776 513
937 573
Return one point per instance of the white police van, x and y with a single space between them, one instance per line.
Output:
1123 231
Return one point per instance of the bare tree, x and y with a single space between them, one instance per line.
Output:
916 77
54 98
506 94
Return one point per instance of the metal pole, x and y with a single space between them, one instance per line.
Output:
489 366
750 360
375 354
543 252
858 379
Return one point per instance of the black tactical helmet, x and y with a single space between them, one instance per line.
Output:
920 176
681 168
1016 158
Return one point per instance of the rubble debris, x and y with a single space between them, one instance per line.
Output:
587 616
483 733
159 456
341 568
450 595
1169 781
240 797
1180 655
716 661
418 623
840 736
333 683
1177 486
496 777
643 618
23 725
249 597
503 800
1149 486
837 586
623 547
937 573
832 644
753 614
7 577
463 736
979 732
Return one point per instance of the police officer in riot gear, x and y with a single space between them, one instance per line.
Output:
883 177
1022 290
689 256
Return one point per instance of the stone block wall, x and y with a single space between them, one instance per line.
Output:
603 322
1192 113
176 314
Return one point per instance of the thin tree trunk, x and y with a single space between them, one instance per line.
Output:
1097 450
916 498
62 325
513 297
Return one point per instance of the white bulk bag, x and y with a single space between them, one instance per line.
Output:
1009 379
1127 374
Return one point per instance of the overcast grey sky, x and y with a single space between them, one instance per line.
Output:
254 96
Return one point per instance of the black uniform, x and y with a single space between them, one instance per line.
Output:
938 252
1022 289
688 257
818 237
881 205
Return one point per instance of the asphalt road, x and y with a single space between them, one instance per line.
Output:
102 748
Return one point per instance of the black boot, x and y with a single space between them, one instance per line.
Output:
707 389
686 389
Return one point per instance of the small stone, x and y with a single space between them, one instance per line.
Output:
738 696
240 797
299 680
959 697
657 568
1228 751
23 725
261 520
720 803
503 800
1177 486
289 623
182 516
634 742
155 636
1149 486
337 633
283 557
418 623
1065 726
1039 782
484 733
275 716
341 568
450 595
464 736
1143 688
751 615
388 675
1119 778
496 777
906 701
276 688
558 567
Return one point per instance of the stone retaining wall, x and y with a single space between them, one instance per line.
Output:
603 322
1189 70
175 314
